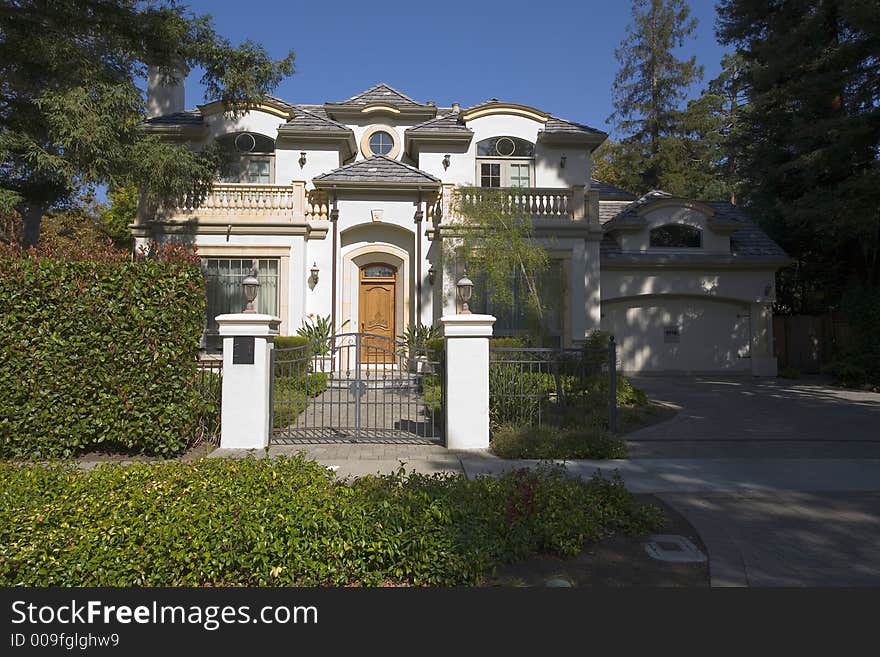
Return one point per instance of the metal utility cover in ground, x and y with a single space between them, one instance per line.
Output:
677 549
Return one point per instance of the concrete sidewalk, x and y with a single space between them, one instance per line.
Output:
651 475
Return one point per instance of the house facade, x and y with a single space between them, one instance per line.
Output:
344 208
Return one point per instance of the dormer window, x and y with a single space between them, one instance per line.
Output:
252 158
676 236
505 162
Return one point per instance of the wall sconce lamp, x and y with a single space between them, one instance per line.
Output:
768 289
302 159
431 274
314 272
250 284
465 288
562 161
446 161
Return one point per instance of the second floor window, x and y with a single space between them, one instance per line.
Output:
251 158
505 162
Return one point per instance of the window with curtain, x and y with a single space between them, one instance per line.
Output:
517 319
223 277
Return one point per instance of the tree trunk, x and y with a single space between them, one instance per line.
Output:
33 217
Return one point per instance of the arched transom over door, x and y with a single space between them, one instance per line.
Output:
377 299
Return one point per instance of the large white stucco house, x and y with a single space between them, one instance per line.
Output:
343 205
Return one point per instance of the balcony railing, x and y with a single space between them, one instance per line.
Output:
269 203
256 202
536 201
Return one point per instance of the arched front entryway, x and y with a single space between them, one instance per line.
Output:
354 262
377 303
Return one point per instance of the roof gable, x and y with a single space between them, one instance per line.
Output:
380 93
378 170
313 118
446 123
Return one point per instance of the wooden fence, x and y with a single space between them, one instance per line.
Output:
808 342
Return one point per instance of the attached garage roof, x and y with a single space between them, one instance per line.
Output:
747 241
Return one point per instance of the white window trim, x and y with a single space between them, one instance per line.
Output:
505 170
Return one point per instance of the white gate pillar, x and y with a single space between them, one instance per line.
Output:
467 380
248 339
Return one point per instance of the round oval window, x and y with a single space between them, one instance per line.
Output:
381 143
245 142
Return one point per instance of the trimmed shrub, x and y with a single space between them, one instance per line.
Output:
530 442
857 364
288 341
789 373
290 522
98 353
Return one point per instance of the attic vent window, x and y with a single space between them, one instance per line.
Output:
677 236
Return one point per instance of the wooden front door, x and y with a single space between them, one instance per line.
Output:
377 299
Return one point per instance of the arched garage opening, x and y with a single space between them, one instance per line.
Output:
682 334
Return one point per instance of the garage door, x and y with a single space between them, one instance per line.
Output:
681 334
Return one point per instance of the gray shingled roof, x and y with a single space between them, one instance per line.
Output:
555 125
610 209
187 117
380 93
607 191
749 241
445 123
378 169
724 212
313 117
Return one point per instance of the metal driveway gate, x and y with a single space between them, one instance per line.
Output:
357 387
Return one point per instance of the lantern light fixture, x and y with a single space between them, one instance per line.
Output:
465 289
250 284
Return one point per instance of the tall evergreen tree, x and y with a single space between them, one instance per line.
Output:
70 106
651 84
808 142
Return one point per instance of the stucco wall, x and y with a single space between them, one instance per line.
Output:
320 158
735 284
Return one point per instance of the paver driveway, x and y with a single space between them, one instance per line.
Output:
727 417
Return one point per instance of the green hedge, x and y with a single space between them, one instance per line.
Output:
290 522
98 354
547 442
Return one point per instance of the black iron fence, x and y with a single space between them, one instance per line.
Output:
558 387
356 387
209 383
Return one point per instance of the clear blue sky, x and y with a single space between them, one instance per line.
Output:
557 56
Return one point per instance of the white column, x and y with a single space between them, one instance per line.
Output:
467 380
246 385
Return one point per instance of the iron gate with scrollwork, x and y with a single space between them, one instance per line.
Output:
357 387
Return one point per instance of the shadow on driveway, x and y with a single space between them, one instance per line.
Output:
727 417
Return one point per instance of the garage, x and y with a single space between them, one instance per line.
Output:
679 334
